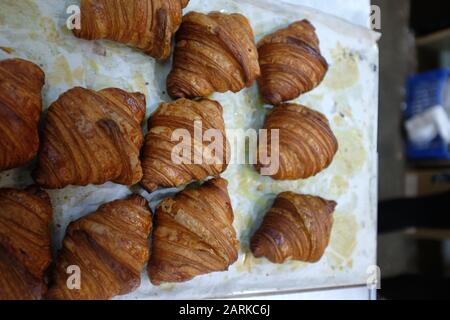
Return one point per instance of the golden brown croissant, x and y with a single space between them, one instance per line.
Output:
158 166
92 137
21 83
144 24
291 63
298 227
25 255
213 53
193 234
306 143
110 248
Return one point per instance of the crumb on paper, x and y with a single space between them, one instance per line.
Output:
7 50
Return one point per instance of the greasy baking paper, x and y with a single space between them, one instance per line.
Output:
36 30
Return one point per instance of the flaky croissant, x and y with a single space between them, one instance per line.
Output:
144 24
109 247
92 137
291 63
213 53
298 227
159 167
193 234
25 255
21 84
307 144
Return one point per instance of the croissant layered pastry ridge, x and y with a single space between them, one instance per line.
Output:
110 248
291 63
159 167
91 138
21 84
148 25
194 234
25 255
307 144
298 227
214 52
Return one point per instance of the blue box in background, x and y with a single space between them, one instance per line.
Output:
427 93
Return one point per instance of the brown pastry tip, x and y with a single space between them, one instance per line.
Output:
184 3
38 192
291 63
91 138
307 144
25 218
213 53
20 110
110 248
194 234
159 167
298 227
147 25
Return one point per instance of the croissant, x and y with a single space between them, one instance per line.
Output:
147 25
306 143
193 234
213 53
25 218
92 137
158 166
291 63
110 248
21 83
298 227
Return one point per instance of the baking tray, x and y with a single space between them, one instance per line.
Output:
36 30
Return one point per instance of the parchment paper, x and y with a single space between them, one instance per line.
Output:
35 30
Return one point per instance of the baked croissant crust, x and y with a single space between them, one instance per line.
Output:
25 255
110 247
92 137
307 144
298 227
193 234
21 84
291 63
159 167
213 53
147 25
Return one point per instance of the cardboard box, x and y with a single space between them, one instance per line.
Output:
426 182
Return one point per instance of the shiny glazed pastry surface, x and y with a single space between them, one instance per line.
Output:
110 248
194 234
291 63
25 255
307 144
144 24
298 227
159 167
213 53
92 137
21 84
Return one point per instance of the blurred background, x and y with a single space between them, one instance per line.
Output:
414 138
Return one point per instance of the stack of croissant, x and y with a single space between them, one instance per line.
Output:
94 137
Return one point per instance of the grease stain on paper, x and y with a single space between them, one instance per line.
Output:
49 28
61 72
343 240
344 70
18 14
139 83
338 186
352 154
248 262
